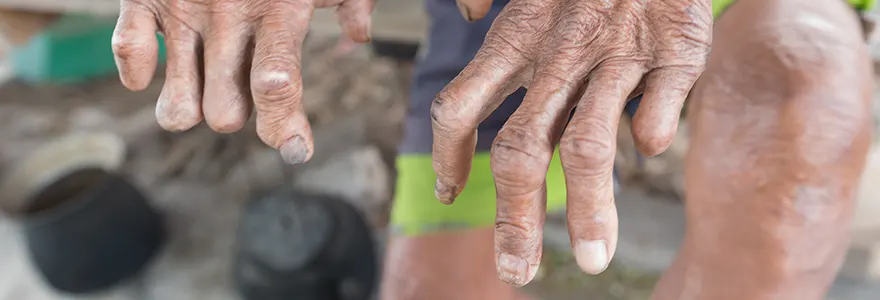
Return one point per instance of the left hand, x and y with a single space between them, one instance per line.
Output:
586 56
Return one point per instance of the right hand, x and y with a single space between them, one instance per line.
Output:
581 61
225 56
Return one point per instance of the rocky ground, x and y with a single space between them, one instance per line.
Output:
200 179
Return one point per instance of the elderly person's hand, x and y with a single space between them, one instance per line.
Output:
582 56
227 56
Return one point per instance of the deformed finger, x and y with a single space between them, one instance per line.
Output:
473 10
135 46
458 110
276 82
587 152
227 99
656 121
355 19
521 156
179 105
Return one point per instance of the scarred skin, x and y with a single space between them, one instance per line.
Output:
781 127
225 56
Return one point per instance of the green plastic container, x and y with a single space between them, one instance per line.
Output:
73 49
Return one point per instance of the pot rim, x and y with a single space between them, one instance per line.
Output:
53 161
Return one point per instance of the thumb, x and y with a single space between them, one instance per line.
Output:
473 10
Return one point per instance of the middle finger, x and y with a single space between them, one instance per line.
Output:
226 103
587 152
521 155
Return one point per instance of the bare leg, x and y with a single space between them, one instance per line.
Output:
456 265
781 127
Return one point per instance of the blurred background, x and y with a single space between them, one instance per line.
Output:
61 105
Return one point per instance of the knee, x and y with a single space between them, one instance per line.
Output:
801 78
785 95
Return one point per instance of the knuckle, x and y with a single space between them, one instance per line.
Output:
503 45
579 27
129 45
226 5
518 159
448 116
587 152
559 72
517 233
275 81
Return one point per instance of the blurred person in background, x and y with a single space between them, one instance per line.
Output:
779 112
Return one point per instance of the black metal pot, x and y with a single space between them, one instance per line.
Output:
299 246
89 230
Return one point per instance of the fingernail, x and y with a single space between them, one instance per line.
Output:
591 256
443 192
513 270
294 151
464 11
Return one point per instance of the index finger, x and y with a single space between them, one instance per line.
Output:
458 110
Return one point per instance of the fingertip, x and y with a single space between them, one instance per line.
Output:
355 18
446 193
592 256
358 31
514 270
296 150
656 121
473 10
177 111
652 139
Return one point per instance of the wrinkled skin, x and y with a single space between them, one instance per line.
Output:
781 127
555 48
227 56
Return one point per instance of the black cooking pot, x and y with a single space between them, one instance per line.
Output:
89 230
299 246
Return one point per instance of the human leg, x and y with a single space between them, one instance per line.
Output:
780 125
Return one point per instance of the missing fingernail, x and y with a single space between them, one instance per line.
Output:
294 151
444 193
513 270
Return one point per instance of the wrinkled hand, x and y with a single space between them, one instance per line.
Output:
586 56
225 56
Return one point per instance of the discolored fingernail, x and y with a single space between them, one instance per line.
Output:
465 12
513 270
591 256
294 151
443 192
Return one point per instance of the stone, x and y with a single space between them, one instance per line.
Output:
359 175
